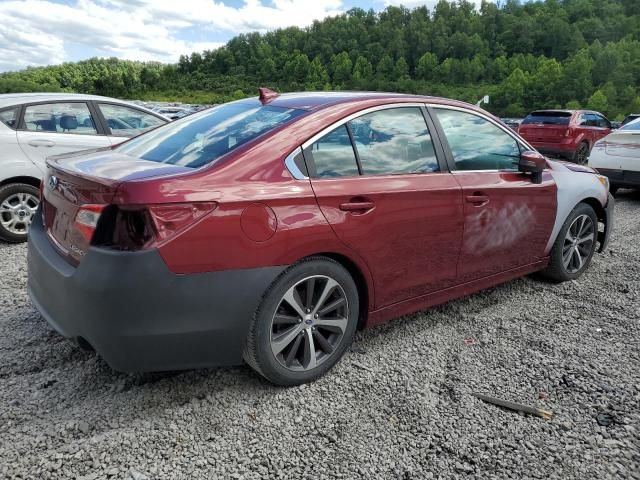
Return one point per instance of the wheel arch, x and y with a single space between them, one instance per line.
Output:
33 181
597 207
362 283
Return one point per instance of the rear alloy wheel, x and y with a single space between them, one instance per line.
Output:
18 205
305 323
582 154
576 243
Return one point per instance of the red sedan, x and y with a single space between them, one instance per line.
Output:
270 229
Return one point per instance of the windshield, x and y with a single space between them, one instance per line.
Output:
202 139
632 125
548 118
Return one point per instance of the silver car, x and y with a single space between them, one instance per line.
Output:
34 126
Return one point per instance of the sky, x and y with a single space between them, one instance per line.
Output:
45 32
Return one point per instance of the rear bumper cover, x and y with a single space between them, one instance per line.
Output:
567 151
137 314
621 178
604 236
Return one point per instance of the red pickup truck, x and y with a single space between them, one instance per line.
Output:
565 133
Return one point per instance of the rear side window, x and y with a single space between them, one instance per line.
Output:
201 139
548 118
9 117
394 141
126 121
333 155
60 118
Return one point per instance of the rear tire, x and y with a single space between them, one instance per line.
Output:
582 154
18 204
575 245
304 324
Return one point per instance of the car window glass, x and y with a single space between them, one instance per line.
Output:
583 120
333 155
128 122
60 118
476 143
592 120
9 117
603 122
393 141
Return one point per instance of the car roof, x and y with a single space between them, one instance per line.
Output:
11 99
312 101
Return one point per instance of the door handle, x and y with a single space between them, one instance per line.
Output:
41 143
356 206
477 199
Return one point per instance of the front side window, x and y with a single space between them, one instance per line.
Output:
9 117
394 141
128 122
476 143
202 139
73 117
603 122
333 155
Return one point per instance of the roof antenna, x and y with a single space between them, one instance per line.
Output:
266 94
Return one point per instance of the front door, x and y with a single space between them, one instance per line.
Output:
507 218
380 185
57 128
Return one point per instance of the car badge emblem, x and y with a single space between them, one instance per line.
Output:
53 182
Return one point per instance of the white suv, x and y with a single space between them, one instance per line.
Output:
34 126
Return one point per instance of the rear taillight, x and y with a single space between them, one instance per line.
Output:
137 228
87 218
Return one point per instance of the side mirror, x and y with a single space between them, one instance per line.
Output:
533 163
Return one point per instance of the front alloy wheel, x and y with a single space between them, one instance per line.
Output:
578 243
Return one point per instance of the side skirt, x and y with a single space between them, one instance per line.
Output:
382 315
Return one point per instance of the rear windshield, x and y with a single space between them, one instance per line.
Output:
202 139
548 118
633 125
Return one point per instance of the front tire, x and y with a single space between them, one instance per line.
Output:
575 245
305 322
18 205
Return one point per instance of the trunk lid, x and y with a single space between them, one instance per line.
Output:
623 143
78 180
543 133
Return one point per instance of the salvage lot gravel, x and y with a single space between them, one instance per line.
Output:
399 405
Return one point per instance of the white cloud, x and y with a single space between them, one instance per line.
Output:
41 32
418 3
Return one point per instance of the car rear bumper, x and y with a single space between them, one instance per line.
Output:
138 315
565 151
621 178
604 236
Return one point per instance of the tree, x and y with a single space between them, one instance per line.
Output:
341 67
318 76
401 69
385 67
598 102
362 70
426 66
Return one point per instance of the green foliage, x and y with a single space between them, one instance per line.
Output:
525 55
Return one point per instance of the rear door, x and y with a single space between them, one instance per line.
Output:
507 219
380 184
602 129
57 128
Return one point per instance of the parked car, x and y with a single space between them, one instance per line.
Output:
618 156
629 118
36 125
567 134
270 229
173 113
512 123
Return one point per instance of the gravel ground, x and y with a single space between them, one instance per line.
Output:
399 405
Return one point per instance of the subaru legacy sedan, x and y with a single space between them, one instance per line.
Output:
270 229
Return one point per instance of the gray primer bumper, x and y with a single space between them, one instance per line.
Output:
137 314
603 237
